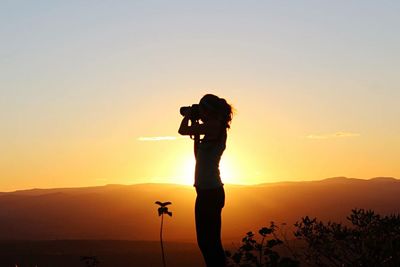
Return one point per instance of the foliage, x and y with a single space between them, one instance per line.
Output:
259 253
163 209
370 241
90 261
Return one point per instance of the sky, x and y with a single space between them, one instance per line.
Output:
90 90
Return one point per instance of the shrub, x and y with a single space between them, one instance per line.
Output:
371 240
260 251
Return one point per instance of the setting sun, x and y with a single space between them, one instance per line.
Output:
226 170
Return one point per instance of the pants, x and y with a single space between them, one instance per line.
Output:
209 204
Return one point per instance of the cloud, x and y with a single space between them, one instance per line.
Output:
333 135
158 138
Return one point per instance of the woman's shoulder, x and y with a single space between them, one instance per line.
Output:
219 135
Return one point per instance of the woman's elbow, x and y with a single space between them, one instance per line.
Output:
185 131
181 132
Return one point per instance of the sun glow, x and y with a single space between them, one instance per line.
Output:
187 176
226 171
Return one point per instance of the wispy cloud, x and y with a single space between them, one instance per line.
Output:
158 138
333 135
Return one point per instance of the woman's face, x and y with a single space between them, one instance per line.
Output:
203 113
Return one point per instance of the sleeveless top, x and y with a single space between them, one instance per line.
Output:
209 152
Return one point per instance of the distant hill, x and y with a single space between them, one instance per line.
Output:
128 211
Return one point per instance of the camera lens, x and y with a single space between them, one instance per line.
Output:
194 111
184 110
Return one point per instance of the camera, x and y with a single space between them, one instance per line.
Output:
194 111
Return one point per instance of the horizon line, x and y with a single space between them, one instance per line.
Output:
189 185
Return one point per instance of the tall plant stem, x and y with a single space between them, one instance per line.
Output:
161 240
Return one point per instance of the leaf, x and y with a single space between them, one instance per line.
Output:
247 247
166 203
163 204
265 231
160 211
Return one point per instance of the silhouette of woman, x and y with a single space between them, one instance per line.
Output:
215 114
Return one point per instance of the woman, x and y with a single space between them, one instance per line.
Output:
215 114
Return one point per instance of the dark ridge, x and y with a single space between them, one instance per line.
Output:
102 188
341 179
384 179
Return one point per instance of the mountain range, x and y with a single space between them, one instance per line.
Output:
128 212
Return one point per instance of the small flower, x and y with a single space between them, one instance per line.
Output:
163 209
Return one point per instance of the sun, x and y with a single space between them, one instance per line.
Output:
187 172
226 171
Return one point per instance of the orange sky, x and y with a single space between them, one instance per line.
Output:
316 92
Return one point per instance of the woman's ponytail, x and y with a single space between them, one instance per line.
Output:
226 112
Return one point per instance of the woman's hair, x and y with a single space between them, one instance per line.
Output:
219 107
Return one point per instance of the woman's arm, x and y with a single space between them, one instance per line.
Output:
210 128
183 128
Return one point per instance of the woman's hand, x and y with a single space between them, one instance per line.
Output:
184 124
210 128
188 112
